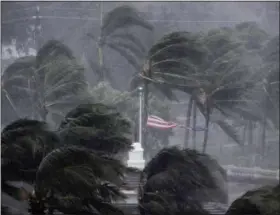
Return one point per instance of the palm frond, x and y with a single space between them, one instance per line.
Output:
177 45
121 17
260 201
129 47
67 167
230 131
125 54
130 37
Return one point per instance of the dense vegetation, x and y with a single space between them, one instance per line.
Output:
70 140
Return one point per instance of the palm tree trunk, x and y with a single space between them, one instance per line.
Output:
11 102
244 140
250 135
244 134
206 132
188 122
263 137
194 125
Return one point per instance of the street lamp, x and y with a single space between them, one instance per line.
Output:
140 90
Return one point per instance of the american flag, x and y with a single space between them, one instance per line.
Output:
157 122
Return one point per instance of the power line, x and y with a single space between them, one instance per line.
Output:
95 19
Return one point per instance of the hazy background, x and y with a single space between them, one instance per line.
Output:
70 22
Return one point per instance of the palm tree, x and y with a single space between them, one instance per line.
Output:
69 179
168 62
60 81
14 87
53 82
24 144
270 87
264 200
115 35
178 181
216 82
78 180
98 127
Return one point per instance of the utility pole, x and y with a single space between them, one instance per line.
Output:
38 29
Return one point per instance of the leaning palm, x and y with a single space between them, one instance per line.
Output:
172 63
24 144
98 127
77 180
60 81
115 35
49 84
15 88
185 176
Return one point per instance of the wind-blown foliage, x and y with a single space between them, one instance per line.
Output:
75 175
176 178
270 53
65 176
207 67
15 88
98 127
263 201
115 35
60 79
49 84
24 143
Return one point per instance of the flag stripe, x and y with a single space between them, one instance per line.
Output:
161 126
157 122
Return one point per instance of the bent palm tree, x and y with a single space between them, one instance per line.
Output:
60 81
115 36
53 82
178 61
98 127
172 64
75 180
15 88
188 184
24 144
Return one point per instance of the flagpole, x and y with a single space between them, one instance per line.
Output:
140 89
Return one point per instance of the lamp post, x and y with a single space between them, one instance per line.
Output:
140 90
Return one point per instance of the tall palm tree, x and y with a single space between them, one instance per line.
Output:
172 63
15 88
115 35
168 190
53 82
60 80
212 74
270 87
